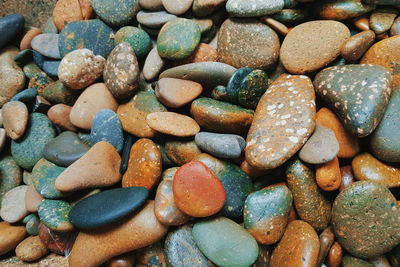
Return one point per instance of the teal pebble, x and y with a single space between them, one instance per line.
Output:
139 40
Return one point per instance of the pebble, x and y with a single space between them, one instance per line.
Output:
395 29
206 7
57 242
365 218
124 260
152 255
151 4
107 127
326 239
311 205
58 93
28 150
137 38
197 191
47 45
176 93
116 13
347 176
91 34
382 19
32 199
299 246
233 86
99 167
13 204
225 242
32 224
252 88
177 7
25 95
262 44
80 68
154 19
10 236
54 214
10 26
15 118
328 175
11 175
220 145
266 214
350 261
31 249
59 116
11 76
29 35
203 53
253 8
181 152
95 98
335 255
288 125
172 123
50 67
342 9
153 65
121 72
359 105
66 11
144 166
356 46
141 230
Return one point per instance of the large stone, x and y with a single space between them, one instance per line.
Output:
253 8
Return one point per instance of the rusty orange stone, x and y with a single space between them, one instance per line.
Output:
361 23
29 35
335 255
59 115
328 175
197 191
144 166
67 11
251 171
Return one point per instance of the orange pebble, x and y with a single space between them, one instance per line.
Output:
362 23
59 115
29 35
335 255
328 175
204 52
252 172
292 215
348 145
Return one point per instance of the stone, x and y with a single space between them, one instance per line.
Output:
176 93
27 150
172 123
335 255
356 46
137 38
299 246
29 35
382 19
95 98
321 147
125 260
281 126
254 8
151 4
32 224
10 236
40 81
252 88
220 145
197 191
10 26
291 16
91 34
31 249
59 116
44 175
359 105
57 242
54 214
47 45
276 25
152 255
342 9
311 205
326 239
11 76
58 93
347 177
203 53
32 199
225 242
153 65
116 13
217 116
135 232
121 72
97 210
385 53
262 44
350 261
10 175
206 7
183 44
3 138
25 95
65 149
66 11
328 175
15 118
80 68
50 67
154 19
181 151
99 167
13 204
107 127
177 7
313 45
145 165
266 214
395 29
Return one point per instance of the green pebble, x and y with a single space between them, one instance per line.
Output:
116 12
32 224
138 39
58 93
10 175
54 214
252 88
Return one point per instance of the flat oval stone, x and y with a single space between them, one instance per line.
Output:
66 11
15 118
386 54
91 34
154 19
181 249
186 35
197 191
236 248
121 72
261 49
47 45
253 8
97 210
107 127
283 121
359 105
311 205
177 7
181 151
355 47
153 65
30 249
116 13
382 19
221 145
10 236
172 123
59 116
266 214
13 204
144 166
365 218
299 246
176 93
10 26
342 9
29 149
54 214
44 175
313 45
137 38
11 174
219 116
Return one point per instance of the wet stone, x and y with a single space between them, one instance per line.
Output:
221 145
116 13
107 127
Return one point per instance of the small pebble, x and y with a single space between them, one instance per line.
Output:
172 123
221 145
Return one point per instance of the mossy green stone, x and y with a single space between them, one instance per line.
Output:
225 242
252 88
181 151
44 175
178 39
39 81
58 93
54 214
116 12
31 69
32 224
291 16
138 39
28 150
10 175
220 93
350 261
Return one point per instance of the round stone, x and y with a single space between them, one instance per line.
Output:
30 249
181 152
342 9
116 13
47 45
154 19
10 236
107 127
15 118
13 204
54 214
59 116
137 38
66 11
176 93
153 65
11 175
173 124
177 7
221 145
10 26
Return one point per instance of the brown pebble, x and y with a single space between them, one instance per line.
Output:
328 175
10 236
326 239
361 23
335 255
175 93
275 25
355 47
32 199
31 249
29 35
71 10
15 118
59 115
347 177
124 260
172 123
